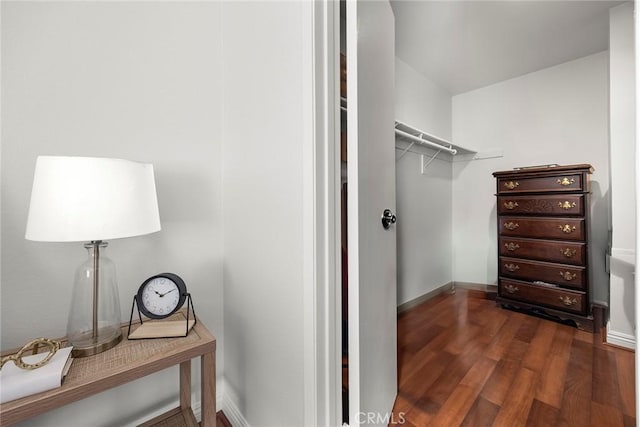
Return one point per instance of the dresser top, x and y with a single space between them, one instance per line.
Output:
545 168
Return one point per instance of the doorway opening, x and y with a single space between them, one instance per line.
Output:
343 221
344 213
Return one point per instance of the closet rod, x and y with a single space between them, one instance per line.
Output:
453 151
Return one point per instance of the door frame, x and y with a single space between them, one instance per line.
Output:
321 219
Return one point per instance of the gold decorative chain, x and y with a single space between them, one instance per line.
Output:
32 348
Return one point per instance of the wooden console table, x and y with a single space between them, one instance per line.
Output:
130 360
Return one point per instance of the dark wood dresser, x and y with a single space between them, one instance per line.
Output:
543 241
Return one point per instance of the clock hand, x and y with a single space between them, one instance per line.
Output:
167 292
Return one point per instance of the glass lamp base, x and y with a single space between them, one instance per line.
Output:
94 318
86 345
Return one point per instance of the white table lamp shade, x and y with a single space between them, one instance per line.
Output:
87 199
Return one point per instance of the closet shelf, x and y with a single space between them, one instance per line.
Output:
414 134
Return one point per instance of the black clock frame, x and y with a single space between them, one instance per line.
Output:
182 289
184 296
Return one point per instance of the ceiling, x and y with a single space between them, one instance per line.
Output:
465 45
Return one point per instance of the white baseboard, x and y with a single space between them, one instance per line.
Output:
472 285
425 297
621 339
447 287
225 401
230 408
628 255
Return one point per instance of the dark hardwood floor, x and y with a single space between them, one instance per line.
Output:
221 420
463 361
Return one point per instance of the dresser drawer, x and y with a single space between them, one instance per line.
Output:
554 183
547 250
563 299
542 228
561 204
571 276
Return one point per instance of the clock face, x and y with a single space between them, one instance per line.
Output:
161 296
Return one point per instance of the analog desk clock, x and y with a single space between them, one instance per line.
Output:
159 298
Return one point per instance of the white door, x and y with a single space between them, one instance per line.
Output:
371 180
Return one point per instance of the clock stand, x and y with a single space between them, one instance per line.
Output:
162 328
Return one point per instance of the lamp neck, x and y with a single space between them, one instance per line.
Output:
96 245
94 251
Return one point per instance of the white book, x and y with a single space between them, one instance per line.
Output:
16 382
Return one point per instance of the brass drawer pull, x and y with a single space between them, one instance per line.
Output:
565 181
567 228
567 205
510 205
568 252
512 267
511 184
511 247
568 276
568 301
511 289
511 225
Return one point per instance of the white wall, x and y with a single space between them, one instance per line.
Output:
623 214
267 79
556 115
140 81
423 202
421 102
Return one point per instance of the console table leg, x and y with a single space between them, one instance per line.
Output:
185 385
208 383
